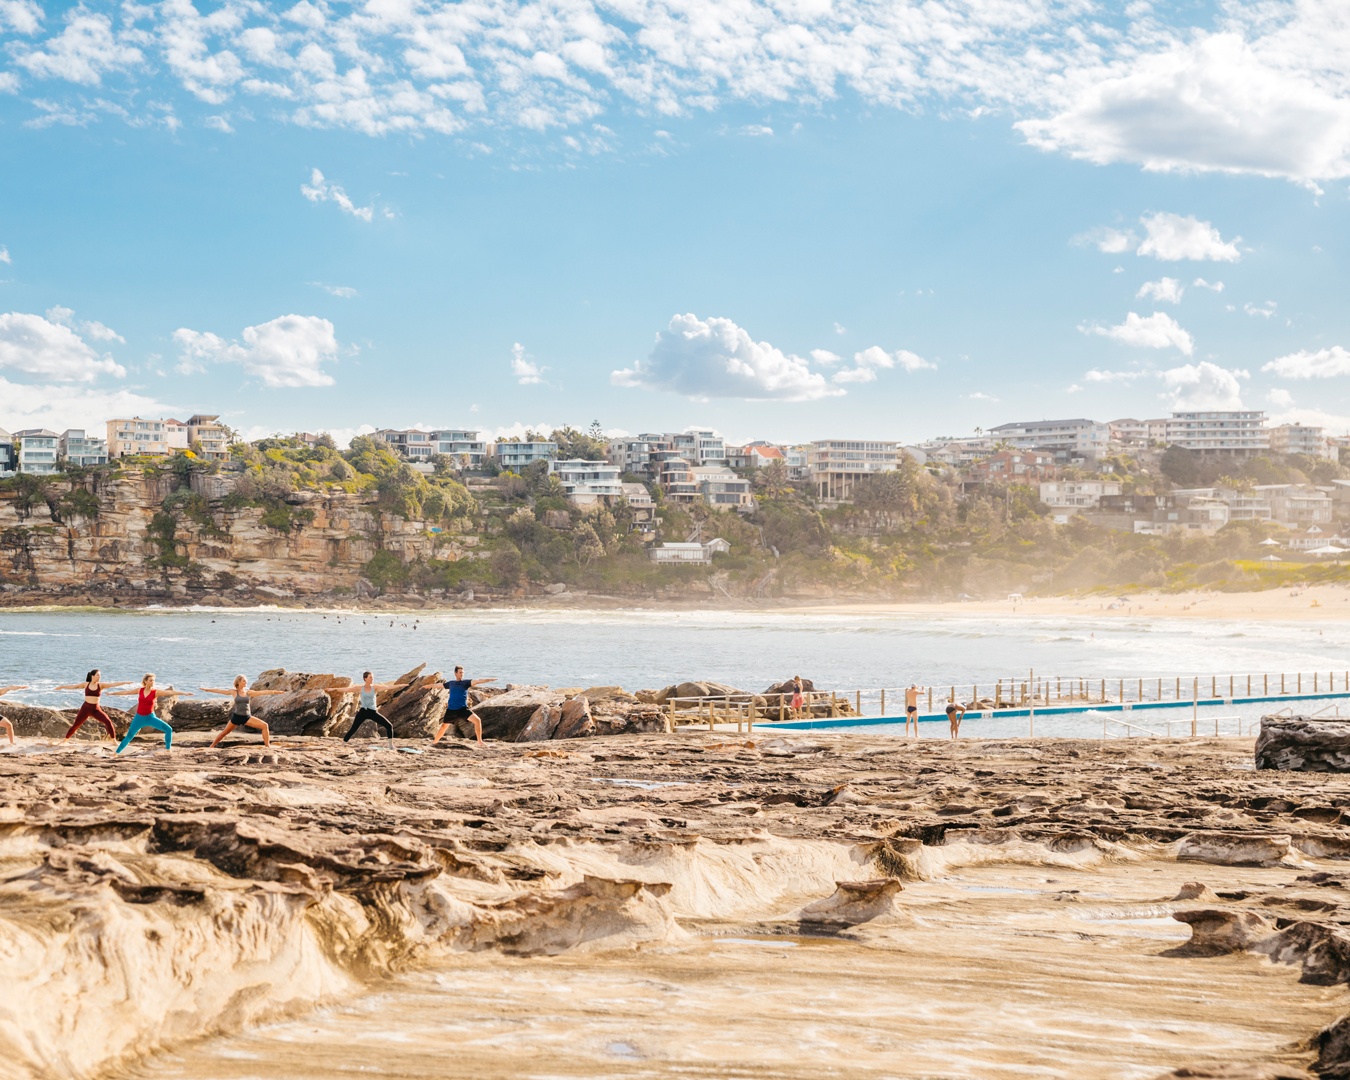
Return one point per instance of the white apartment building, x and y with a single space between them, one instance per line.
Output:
587 482
1242 506
1298 439
1229 433
637 496
514 456
78 449
1083 437
1129 432
1297 505
958 453
835 465
133 435
798 461
459 444
6 454
1079 494
35 451
721 488
634 455
413 444
176 434
698 446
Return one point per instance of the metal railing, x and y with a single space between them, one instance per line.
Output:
1109 722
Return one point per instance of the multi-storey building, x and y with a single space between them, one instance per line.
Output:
1297 505
634 455
1072 438
206 430
754 455
836 465
6 453
1298 439
36 450
698 446
1242 505
1225 433
1014 467
1129 432
798 461
677 480
137 436
412 444
1160 514
721 488
587 482
514 456
459 444
175 434
79 449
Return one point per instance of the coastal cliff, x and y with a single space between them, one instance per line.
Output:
139 547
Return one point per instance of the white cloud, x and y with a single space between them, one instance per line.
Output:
1166 290
1073 389
1201 283
867 362
840 329
1172 237
1323 364
319 190
1096 375
824 356
1281 399
83 52
59 407
50 349
220 123
1203 386
4 255
1266 310
717 359
517 431
980 396
64 316
344 291
21 16
525 372
288 351
1157 331
756 129
1111 241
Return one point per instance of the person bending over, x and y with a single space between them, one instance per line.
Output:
242 713
366 705
145 717
3 722
955 712
457 708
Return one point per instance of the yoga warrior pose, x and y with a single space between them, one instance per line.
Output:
3 722
242 713
92 687
366 702
457 708
145 711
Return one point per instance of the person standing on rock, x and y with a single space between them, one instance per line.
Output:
242 713
457 708
145 716
912 708
3 722
92 687
366 705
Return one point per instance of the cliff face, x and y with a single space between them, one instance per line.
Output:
128 552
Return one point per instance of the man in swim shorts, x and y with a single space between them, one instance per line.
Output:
457 708
912 708
955 711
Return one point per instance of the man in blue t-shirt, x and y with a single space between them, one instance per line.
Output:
457 708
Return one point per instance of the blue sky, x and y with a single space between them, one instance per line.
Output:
786 220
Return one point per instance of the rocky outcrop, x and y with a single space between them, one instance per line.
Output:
1302 744
700 690
505 715
855 902
542 724
575 721
39 722
303 708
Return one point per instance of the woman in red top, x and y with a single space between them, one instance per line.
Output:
92 687
145 711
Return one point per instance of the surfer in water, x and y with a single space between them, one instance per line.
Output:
92 687
242 713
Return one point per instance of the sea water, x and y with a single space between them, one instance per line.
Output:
654 647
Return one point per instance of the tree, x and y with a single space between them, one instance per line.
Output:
1178 465
507 563
588 546
775 478
577 445
326 440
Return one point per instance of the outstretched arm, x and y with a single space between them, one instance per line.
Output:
171 692
475 682
339 689
265 693
214 690
121 693
7 689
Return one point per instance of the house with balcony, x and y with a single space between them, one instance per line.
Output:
588 482
722 489
1297 505
1299 439
516 456
1239 433
1159 515
1068 497
6 454
206 430
698 446
36 451
836 465
128 436
77 448
1014 467
634 454
413 444
463 445
1066 439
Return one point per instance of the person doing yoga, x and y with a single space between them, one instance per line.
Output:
366 705
457 708
3 722
145 716
242 713
92 687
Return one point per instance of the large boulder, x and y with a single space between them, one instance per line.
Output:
576 721
416 710
784 691
505 715
699 690
1301 744
303 708
37 721
638 721
597 695
200 714
541 725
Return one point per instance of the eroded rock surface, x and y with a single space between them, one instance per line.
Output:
1303 744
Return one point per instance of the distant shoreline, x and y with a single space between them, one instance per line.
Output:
1315 604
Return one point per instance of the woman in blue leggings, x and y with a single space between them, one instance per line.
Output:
145 716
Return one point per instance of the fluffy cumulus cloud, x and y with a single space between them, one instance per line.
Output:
1166 289
1156 331
1203 386
717 359
1262 89
869 361
286 352
525 371
70 405
1172 238
1322 364
50 349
